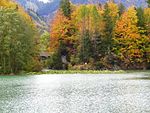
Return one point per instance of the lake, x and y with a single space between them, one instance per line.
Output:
76 93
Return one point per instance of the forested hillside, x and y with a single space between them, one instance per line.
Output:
86 36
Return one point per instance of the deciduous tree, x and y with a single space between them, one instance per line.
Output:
130 45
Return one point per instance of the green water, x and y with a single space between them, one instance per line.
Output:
109 93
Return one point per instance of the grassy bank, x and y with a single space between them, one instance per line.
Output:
87 72
23 73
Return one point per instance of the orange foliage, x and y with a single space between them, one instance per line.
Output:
129 41
61 29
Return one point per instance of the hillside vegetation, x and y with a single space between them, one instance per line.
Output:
105 36
100 36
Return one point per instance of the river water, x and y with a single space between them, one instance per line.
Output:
78 93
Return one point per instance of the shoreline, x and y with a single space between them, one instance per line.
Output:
87 72
78 72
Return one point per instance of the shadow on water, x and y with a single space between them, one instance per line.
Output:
143 77
139 78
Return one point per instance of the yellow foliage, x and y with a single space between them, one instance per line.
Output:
114 11
13 5
126 27
61 29
127 37
7 4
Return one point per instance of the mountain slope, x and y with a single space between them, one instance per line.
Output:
40 22
42 12
45 9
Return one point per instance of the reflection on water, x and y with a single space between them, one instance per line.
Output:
126 93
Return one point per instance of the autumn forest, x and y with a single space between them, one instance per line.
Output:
98 36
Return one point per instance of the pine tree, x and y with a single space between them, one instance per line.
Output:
97 27
147 20
121 9
55 62
111 13
148 2
65 7
140 15
85 49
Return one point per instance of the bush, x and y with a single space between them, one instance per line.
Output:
54 62
82 67
34 65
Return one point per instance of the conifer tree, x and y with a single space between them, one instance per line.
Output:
111 13
148 2
85 49
65 7
140 14
121 9
96 30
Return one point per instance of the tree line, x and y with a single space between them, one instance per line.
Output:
100 36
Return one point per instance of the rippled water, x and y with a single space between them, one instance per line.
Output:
125 93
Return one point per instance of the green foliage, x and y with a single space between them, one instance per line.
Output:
55 61
110 16
85 49
140 14
82 72
17 42
44 41
148 2
147 20
65 6
121 9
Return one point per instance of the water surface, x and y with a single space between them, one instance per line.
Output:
108 93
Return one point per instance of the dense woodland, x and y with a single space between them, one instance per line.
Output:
18 40
81 37
100 36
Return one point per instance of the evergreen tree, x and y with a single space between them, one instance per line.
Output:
144 30
110 16
85 50
65 7
140 15
55 62
97 32
148 2
147 20
121 9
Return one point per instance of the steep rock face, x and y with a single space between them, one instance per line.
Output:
32 7
45 9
